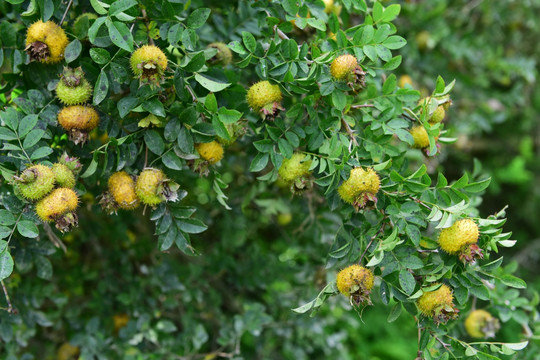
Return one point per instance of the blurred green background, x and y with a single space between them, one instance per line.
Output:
263 257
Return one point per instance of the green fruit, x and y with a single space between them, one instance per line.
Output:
223 56
438 115
420 136
73 89
294 168
148 186
63 175
35 182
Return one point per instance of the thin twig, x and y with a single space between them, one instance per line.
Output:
10 307
349 131
192 94
359 106
65 12
371 241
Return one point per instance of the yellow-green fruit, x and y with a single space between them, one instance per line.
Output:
148 186
431 302
223 55
74 95
263 93
420 136
405 80
78 117
456 237
359 182
59 202
481 324
354 275
343 66
438 115
46 42
63 175
293 168
36 182
211 151
67 352
122 188
148 62
284 219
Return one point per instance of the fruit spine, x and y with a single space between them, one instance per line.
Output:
73 89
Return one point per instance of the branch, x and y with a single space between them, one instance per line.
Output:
349 131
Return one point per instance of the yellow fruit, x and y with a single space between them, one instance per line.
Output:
59 202
343 66
223 56
120 321
481 324
46 42
430 303
211 151
360 182
454 238
78 120
63 175
405 80
67 352
35 182
420 136
263 93
356 281
293 168
122 188
148 63
147 186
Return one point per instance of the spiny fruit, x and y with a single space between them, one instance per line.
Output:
438 114
462 233
361 187
481 324
210 151
153 187
122 189
46 42
223 56
148 63
420 136
78 120
59 206
438 304
294 168
73 89
63 175
35 182
346 68
265 98
295 172
355 281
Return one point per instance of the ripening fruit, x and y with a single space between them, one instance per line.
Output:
46 42
35 182
432 303
262 94
120 321
343 66
122 189
78 120
67 352
147 186
294 168
59 202
148 63
73 89
210 151
438 115
405 80
63 175
361 186
355 281
481 324
223 56
420 136
456 237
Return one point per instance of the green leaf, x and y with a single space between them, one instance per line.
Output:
196 63
154 106
92 167
99 6
339 99
407 282
121 5
6 265
120 35
27 124
191 226
101 88
390 13
46 8
394 42
249 41
394 313
41 152
6 218
197 18
27 229
512 281
210 102
389 85
259 162
477 186
210 84
126 104
73 50
33 137
93 31
100 56
154 141
172 161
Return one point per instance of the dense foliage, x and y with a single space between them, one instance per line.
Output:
334 134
